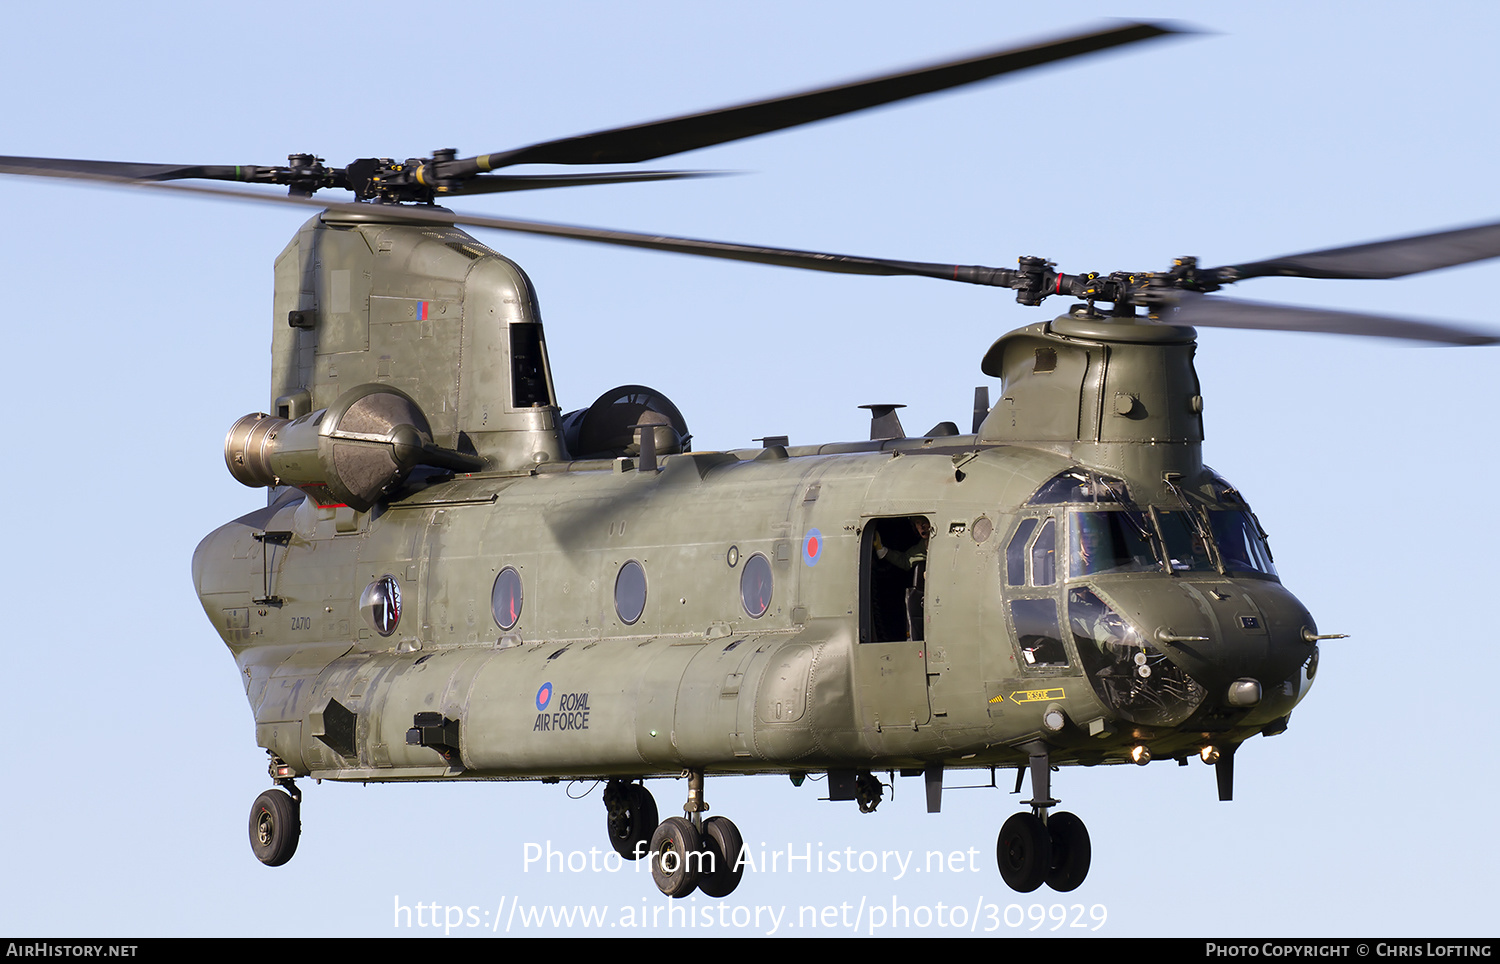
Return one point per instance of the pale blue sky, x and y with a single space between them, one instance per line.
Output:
140 331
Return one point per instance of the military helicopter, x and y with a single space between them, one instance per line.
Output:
1086 591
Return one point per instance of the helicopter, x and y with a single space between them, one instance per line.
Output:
445 479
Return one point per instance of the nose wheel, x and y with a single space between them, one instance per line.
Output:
1037 848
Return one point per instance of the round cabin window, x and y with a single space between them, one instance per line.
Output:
630 592
505 598
381 604
755 585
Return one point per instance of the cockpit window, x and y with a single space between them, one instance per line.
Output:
1115 541
1184 542
1044 556
1240 542
1220 490
1037 633
1080 485
1126 670
1015 553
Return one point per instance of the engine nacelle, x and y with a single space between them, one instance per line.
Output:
611 427
365 444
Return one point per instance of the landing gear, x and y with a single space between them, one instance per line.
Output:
676 856
1024 852
689 853
632 818
1034 848
275 827
1071 851
721 838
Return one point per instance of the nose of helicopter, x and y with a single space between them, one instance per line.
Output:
1246 641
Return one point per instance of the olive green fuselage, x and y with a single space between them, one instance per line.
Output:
478 625
695 682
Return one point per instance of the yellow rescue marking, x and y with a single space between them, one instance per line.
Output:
1036 696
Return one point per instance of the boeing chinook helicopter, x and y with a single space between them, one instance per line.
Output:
454 580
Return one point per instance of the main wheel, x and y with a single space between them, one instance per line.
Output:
1071 852
632 821
676 857
275 826
722 841
1024 852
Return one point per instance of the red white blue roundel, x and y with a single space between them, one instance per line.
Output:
812 547
543 697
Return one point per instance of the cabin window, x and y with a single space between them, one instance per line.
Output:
380 604
505 598
630 592
755 586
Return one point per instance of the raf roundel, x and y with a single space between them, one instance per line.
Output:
543 697
812 547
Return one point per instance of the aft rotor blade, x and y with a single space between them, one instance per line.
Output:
1214 312
785 257
642 142
729 251
1381 259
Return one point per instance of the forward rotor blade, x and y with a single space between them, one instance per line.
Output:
641 142
1382 259
1211 312
499 183
120 170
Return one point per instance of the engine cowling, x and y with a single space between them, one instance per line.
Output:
366 443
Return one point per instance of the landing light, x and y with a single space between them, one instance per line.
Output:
1209 754
1244 692
1140 755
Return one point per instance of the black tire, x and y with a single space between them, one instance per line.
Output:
1024 852
275 827
676 856
632 825
1071 852
722 840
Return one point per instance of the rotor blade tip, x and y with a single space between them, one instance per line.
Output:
1169 28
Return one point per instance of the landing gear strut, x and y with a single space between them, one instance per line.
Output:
276 819
689 853
1035 848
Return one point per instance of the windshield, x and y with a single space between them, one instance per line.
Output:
1115 535
1184 543
1240 542
1109 542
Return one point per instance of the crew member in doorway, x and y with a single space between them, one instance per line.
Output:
911 560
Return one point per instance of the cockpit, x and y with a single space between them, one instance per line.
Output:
1081 529
1214 532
